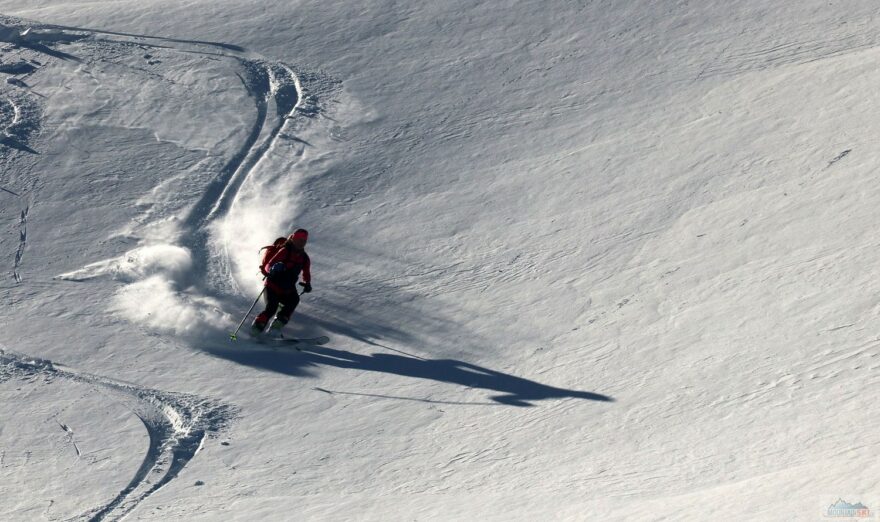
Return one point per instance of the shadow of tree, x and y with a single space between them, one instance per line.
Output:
512 390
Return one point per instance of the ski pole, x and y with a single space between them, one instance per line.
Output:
243 319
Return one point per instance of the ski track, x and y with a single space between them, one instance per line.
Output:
177 425
18 124
22 243
277 94
268 84
19 119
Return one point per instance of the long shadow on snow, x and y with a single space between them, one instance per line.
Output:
13 143
45 49
229 47
514 391
349 310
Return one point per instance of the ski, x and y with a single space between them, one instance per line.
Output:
318 341
277 343
285 343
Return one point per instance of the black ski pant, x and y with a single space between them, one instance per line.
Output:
273 299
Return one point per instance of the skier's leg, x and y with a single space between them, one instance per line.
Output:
272 302
288 305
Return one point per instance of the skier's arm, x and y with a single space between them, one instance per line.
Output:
276 258
306 274
307 270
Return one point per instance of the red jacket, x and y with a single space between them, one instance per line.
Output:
295 263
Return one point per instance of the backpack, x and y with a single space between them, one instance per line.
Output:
271 250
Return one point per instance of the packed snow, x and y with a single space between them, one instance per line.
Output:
576 260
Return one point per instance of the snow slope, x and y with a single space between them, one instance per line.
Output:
576 260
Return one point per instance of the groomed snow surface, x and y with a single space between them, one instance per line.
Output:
576 260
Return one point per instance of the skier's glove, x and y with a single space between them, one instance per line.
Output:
307 287
276 269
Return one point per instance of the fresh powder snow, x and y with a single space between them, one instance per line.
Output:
574 260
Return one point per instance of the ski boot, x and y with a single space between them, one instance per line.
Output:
276 327
257 329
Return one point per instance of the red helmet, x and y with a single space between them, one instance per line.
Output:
300 233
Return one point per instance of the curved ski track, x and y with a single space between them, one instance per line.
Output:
278 96
269 84
177 425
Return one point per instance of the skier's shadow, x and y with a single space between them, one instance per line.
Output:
514 391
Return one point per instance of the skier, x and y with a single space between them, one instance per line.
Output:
282 265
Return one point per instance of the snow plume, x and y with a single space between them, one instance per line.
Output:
267 202
167 261
254 220
157 294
